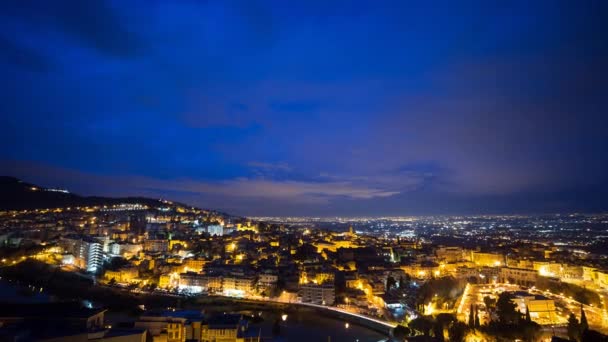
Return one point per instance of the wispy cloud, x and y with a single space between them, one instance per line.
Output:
281 166
122 185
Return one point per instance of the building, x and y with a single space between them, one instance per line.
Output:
519 276
424 270
164 326
125 249
193 282
123 275
267 282
449 254
215 230
238 285
542 309
228 328
194 265
168 280
156 245
487 259
87 252
317 294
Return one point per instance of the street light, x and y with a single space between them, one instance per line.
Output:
346 325
284 317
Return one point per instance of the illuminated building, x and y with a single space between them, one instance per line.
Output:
247 227
193 282
87 252
156 245
125 249
173 243
334 245
519 276
195 265
215 230
228 328
449 254
238 285
123 275
163 327
317 294
487 259
542 309
169 280
267 281
425 270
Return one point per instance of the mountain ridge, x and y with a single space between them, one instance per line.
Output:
16 194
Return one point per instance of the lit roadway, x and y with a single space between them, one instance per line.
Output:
324 307
331 308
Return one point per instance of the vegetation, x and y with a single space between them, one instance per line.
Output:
444 290
443 327
505 309
74 286
422 325
489 302
574 332
512 324
578 293
401 332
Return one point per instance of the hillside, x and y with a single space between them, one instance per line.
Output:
16 194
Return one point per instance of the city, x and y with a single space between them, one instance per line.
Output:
382 273
303 171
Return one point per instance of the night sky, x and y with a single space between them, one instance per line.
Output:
311 108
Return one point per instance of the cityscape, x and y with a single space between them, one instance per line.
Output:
303 171
446 276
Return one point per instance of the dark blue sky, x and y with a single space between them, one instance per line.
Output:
311 107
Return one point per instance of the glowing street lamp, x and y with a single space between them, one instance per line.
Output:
284 317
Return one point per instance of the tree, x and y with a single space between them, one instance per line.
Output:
445 319
489 302
593 336
584 326
457 331
402 282
530 331
573 328
471 317
442 322
506 309
390 283
441 290
421 324
438 331
477 323
400 332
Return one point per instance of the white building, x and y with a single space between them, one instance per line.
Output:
87 252
215 230
317 294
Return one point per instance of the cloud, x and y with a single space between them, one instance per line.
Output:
25 57
125 185
93 23
282 166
